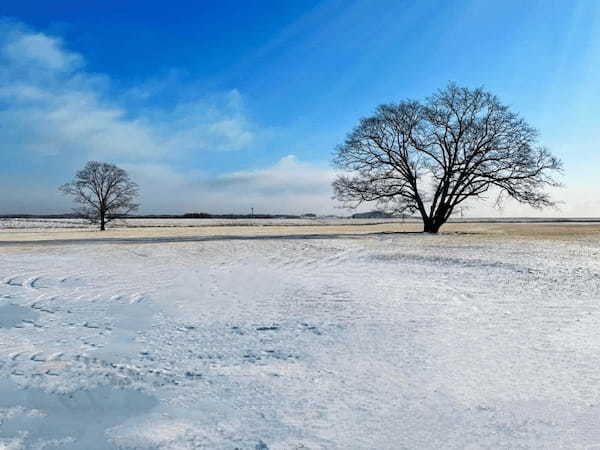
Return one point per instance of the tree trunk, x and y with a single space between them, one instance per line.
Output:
431 225
102 222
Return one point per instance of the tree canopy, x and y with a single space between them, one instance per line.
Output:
429 157
103 191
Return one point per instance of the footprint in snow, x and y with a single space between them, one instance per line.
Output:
13 316
269 328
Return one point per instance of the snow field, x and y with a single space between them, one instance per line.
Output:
47 225
388 342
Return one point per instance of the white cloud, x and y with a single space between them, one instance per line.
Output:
219 125
53 106
288 175
24 49
52 110
289 186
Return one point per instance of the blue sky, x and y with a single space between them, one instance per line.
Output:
223 106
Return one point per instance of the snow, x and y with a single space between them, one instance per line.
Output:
387 342
47 225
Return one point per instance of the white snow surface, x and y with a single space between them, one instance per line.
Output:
48 225
380 342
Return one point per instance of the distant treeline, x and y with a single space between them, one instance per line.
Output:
203 215
240 216
168 216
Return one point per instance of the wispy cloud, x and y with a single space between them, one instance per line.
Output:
29 51
288 174
288 186
54 108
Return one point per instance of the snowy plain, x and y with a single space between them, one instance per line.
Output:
47 225
356 342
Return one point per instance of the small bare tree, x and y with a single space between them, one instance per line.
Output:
432 156
104 191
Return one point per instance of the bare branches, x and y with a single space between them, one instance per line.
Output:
104 191
432 156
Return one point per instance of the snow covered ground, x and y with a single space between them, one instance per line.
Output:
47 225
362 342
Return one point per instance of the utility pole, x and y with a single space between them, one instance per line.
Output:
252 213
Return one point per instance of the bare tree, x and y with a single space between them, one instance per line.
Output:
104 192
429 157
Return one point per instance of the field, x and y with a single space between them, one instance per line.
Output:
299 335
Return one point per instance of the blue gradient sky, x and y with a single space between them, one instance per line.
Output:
223 106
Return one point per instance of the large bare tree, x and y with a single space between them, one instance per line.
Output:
429 157
103 191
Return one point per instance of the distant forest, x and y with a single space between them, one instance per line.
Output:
203 215
200 215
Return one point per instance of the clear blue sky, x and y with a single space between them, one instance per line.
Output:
226 105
